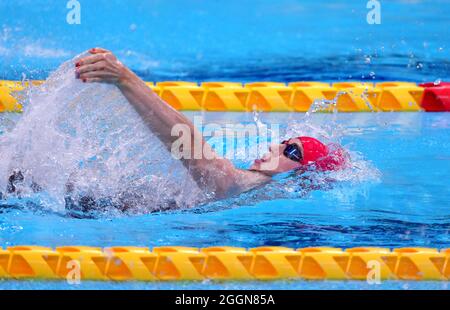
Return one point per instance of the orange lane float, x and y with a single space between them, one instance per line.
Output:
223 96
178 263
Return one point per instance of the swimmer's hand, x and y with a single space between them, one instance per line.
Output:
102 67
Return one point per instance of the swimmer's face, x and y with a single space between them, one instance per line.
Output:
275 161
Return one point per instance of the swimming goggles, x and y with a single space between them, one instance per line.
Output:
292 151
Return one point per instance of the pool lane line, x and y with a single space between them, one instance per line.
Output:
171 263
280 97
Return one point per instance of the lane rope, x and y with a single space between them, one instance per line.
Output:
174 263
280 97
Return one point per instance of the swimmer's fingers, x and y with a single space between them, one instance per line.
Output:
90 60
101 74
98 50
95 74
100 65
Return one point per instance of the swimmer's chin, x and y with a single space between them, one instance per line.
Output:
258 166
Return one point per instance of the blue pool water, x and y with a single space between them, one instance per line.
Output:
408 205
401 196
249 40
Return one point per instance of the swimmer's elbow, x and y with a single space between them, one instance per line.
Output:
217 176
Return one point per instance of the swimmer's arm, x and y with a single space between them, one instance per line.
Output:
210 171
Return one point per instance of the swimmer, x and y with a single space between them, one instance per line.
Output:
212 173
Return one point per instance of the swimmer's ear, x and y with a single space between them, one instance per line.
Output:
98 50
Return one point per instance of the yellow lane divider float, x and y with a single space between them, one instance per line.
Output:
266 96
8 103
173 263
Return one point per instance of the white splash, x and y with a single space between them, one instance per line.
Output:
88 139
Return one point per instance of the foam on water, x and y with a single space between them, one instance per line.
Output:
86 140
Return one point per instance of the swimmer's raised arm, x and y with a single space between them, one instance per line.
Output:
209 170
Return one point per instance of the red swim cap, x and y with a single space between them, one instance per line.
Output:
321 156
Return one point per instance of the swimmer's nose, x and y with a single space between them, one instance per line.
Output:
266 157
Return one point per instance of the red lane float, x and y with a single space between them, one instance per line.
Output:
436 97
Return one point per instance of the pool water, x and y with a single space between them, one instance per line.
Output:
407 206
208 285
284 40
400 198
